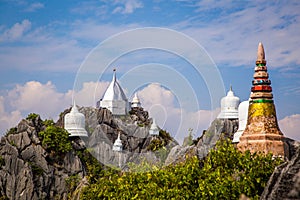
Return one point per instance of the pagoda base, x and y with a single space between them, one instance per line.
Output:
262 133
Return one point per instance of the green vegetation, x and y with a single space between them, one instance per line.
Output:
72 182
226 173
55 140
48 122
92 165
32 116
12 130
36 170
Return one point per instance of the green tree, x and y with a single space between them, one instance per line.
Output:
226 173
55 140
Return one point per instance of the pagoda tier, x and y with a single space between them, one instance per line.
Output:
262 133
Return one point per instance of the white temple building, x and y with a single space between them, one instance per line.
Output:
229 106
118 147
135 103
243 117
74 123
154 129
114 98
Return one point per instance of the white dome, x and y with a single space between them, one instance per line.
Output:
243 117
229 106
118 144
74 123
154 129
135 101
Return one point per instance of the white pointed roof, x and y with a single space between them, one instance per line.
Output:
114 91
135 99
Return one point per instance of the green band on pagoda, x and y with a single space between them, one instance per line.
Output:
260 64
262 101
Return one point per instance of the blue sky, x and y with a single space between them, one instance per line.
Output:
43 44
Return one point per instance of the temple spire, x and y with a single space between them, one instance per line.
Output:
114 76
260 54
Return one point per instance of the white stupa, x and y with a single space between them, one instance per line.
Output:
114 98
243 117
118 144
154 129
135 103
229 106
74 123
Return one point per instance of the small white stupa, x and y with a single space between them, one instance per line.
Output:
154 129
229 106
135 103
114 98
118 144
243 117
74 123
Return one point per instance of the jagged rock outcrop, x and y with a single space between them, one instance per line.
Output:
26 170
224 128
285 180
29 171
134 133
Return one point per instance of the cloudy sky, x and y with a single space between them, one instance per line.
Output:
46 50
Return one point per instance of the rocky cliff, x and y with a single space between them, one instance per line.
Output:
219 128
285 180
29 169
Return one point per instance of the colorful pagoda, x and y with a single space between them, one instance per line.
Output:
262 133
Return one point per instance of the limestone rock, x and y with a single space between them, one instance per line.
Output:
27 172
219 128
285 180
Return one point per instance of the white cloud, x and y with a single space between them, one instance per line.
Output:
44 99
290 126
127 6
38 98
34 6
16 31
160 103
7 119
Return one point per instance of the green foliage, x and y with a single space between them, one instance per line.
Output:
155 144
48 122
32 116
226 173
12 130
55 139
92 165
36 170
72 182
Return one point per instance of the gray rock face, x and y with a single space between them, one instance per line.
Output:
285 180
134 133
26 172
219 128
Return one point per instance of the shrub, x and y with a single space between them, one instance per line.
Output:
32 116
48 122
11 131
55 139
226 173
